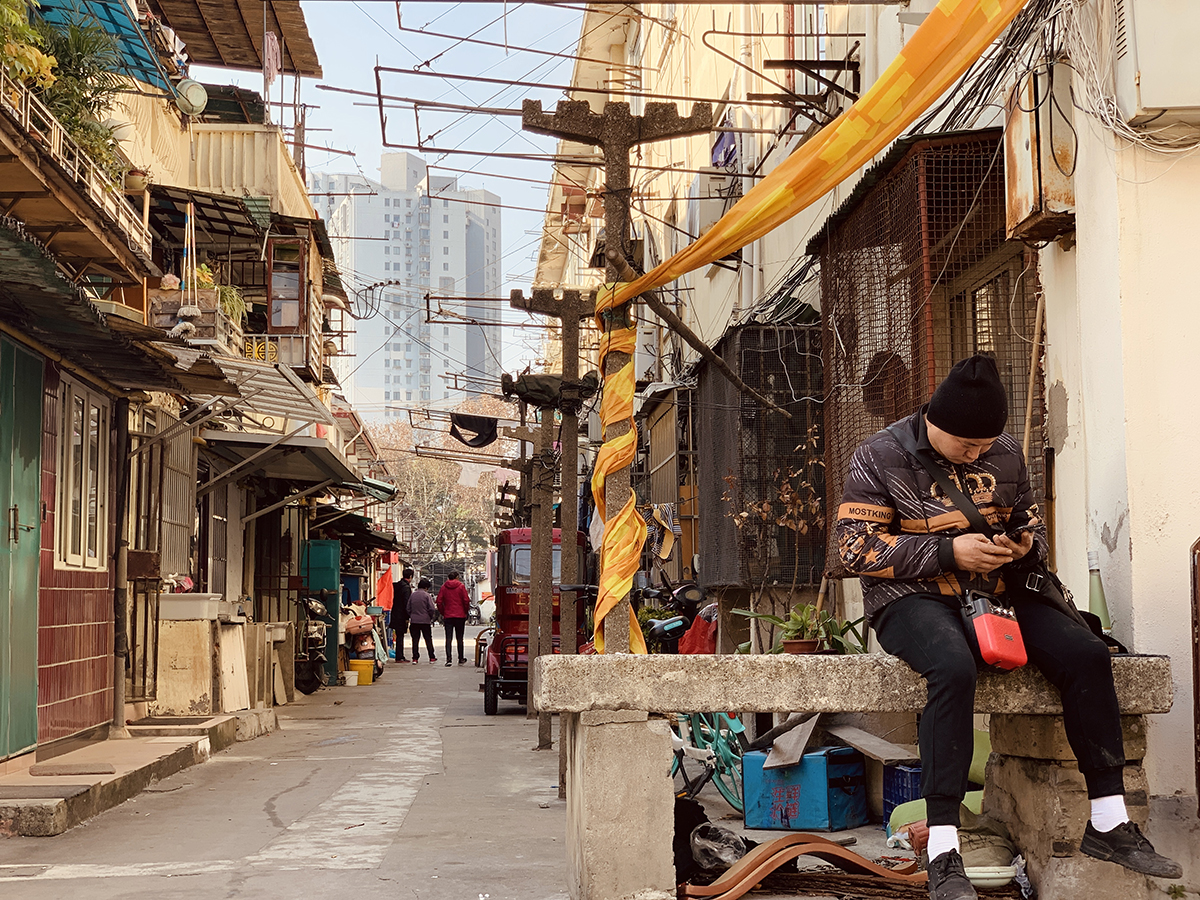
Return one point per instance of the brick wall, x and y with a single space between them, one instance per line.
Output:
75 610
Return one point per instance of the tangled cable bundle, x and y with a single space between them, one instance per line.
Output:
625 532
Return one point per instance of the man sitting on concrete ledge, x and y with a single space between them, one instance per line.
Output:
914 550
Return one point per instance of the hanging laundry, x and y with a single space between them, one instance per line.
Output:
272 59
662 529
482 427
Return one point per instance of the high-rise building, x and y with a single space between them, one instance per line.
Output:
398 240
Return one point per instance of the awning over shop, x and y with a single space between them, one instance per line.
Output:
297 459
266 390
230 32
354 530
373 487
37 301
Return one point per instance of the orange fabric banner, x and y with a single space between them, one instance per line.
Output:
950 39
625 532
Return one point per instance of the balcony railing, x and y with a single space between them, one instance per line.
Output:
289 349
33 116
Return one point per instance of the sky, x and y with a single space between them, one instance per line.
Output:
352 36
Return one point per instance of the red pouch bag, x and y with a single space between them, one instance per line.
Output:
996 631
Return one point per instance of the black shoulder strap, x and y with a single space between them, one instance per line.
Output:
961 500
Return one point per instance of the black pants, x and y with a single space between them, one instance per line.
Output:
928 635
417 631
454 627
400 626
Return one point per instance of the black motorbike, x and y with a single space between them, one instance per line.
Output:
310 659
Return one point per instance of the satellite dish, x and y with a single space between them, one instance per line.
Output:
190 97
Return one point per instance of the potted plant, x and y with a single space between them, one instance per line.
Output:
810 630
798 633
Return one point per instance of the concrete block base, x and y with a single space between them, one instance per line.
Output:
254 723
1082 876
1045 737
620 807
1044 805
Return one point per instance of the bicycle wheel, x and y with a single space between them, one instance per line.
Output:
722 734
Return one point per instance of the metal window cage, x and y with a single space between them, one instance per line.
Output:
917 274
747 454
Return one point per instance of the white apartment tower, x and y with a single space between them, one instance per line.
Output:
409 235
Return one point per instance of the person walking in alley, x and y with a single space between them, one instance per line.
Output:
401 592
421 613
917 553
454 603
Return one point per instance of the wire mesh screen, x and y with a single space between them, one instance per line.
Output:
916 275
759 468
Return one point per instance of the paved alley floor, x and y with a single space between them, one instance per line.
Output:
400 789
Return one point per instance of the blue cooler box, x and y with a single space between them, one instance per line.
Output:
825 791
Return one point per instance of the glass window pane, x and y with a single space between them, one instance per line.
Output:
74 492
285 313
93 482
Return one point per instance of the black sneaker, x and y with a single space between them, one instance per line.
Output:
462 662
448 664
948 879
1127 846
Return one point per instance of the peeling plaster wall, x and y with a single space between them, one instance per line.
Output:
1120 365
1159 220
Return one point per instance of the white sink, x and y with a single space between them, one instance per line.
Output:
188 606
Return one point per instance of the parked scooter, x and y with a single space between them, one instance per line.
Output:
474 613
310 644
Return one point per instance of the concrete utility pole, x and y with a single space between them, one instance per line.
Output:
616 131
570 310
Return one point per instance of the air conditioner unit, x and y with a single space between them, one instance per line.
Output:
713 193
1155 62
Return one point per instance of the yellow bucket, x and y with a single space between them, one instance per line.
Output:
365 669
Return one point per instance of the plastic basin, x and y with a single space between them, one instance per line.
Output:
188 606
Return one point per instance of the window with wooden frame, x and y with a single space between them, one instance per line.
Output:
287 287
81 539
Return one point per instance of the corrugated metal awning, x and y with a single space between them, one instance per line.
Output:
229 33
36 300
265 389
296 459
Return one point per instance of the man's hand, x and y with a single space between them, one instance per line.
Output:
1018 548
975 553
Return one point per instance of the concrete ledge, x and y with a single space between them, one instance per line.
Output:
221 731
817 683
139 763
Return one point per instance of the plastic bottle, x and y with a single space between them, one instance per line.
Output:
1096 602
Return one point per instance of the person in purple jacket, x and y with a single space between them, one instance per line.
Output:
454 603
421 613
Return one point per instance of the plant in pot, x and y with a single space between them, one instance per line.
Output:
799 632
807 629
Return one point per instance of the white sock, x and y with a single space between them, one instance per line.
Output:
942 839
1107 812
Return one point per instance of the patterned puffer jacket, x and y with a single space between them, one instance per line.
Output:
895 528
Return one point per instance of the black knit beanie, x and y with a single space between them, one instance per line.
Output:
971 402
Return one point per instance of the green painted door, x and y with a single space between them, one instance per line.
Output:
20 542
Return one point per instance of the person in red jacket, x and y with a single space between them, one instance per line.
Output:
453 602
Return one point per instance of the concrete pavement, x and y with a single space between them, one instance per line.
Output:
398 789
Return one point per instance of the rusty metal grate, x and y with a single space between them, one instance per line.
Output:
916 274
748 455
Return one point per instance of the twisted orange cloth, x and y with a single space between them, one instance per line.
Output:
625 532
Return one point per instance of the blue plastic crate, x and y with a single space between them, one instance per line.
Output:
900 784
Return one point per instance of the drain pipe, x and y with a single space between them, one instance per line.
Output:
117 729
